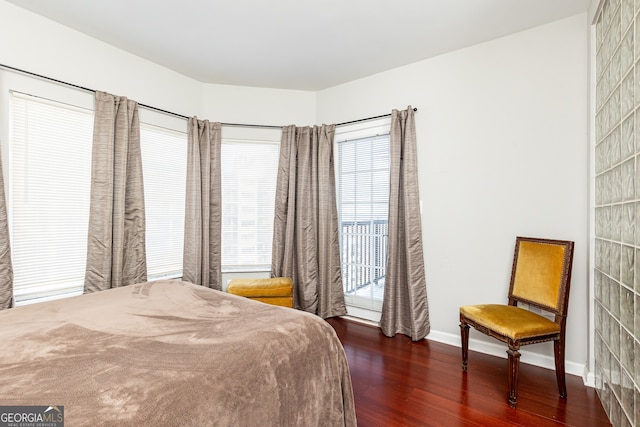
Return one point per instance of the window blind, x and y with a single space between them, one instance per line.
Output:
249 173
50 164
164 165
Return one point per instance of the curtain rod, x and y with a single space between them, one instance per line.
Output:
367 119
160 110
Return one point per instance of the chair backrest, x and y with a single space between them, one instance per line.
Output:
541 274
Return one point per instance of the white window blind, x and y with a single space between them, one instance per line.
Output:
249 172
50 180
164 164
363 205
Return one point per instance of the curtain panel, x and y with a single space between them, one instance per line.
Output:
6 269
202 261
405 308
116 253
306 244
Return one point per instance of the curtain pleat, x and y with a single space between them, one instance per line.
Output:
202 261
116 252
405 308
306 243
6 268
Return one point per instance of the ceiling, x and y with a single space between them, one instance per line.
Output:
296 44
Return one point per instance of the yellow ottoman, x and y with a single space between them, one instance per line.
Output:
275 291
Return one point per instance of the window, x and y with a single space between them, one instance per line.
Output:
363 205
49 197
249 173
50 176
164 163
49 181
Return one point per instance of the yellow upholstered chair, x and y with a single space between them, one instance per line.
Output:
540 279
274 291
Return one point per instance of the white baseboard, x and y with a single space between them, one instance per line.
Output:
499 350
588 377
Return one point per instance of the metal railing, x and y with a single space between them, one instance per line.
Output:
364 257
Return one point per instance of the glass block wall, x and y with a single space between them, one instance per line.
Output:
617 211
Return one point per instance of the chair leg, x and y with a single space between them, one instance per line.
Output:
464 337
514 364
558 352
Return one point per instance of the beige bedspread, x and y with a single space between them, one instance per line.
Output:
169 353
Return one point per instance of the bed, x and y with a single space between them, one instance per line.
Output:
169 353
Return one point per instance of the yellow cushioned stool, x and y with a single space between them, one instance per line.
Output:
275 291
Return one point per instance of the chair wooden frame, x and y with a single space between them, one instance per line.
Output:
560 318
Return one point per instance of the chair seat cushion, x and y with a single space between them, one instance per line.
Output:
273 287
512 322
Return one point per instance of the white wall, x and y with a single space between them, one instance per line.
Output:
273 107
503 151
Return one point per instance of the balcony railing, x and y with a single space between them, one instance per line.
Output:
364 257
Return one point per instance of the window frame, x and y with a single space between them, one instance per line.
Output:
250 135
46 92
172 127
369 307
85 100
51 289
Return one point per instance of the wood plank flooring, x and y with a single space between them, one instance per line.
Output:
400 383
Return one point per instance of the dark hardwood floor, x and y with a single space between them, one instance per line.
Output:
400 383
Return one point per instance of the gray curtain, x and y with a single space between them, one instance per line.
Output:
306 245
116 253
405 308
202 262
6 269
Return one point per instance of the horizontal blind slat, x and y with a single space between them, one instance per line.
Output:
164 161
249 172
49 196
